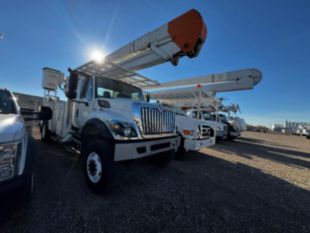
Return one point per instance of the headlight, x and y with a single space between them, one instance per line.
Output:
123 129
9 159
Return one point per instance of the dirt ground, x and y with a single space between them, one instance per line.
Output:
284 156
258 183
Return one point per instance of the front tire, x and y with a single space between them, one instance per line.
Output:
98 165
29 173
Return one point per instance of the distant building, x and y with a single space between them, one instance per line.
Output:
29 102
277 127
295 125
299 128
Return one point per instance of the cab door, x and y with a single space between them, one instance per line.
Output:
85 101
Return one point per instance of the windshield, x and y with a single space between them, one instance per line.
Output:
109 88
7 104
205 115
223 118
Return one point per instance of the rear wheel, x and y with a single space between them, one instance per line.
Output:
98 165
45 132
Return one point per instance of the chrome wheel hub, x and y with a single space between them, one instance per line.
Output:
94 167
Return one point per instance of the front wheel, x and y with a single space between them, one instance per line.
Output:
29 172
98 165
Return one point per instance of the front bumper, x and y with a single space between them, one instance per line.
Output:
220 133
235 133
142 148
197 144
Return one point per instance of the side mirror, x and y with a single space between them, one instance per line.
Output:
45 113
26 111
72 84
148 97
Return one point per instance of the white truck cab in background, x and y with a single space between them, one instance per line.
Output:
221 129
195 133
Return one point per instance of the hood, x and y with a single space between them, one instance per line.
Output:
121 109
125 106
10 126
121 104
217 125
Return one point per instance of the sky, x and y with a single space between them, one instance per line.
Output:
273 36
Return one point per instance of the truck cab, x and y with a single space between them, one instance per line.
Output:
16 153
234 126
195 133
108 120
221 129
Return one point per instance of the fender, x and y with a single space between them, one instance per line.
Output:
95 128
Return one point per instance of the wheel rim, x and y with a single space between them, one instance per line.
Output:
94 167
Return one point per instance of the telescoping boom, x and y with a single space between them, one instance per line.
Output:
182 36
186 89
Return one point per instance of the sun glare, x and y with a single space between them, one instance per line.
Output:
97 55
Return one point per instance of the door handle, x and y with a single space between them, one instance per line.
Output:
77 113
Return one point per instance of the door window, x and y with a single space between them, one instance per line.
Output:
86 89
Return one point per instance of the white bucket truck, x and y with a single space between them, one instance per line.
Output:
195 133
184 92
106 117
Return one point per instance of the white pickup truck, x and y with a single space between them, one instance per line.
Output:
17 149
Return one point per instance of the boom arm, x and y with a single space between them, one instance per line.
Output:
185 90
182 36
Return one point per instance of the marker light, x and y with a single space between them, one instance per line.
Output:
187 132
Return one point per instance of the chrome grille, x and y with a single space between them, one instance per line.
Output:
156 120
205 131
